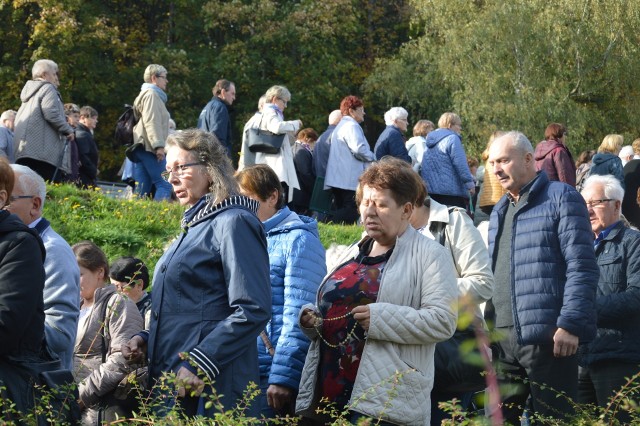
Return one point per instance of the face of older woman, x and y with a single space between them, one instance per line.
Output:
357 114
188 177
383 219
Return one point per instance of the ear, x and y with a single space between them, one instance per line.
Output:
272 201
36 206
4 196
407 210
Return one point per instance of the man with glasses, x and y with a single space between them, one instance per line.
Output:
62 275
150 134
214 118
614 355
545 275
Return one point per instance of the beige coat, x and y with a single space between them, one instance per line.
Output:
415 309
94 377
152 128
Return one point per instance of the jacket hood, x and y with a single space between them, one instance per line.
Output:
545 147
31 88
285 221
414 140
11 223
603 157
437 135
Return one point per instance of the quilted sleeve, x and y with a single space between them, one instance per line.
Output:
435 319
577 314
305 268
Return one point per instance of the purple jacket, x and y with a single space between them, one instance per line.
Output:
555 159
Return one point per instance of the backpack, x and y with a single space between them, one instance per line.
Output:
124 127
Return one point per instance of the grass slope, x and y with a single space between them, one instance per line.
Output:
137 227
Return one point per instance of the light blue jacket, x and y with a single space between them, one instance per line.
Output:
444 165
297 266
61 296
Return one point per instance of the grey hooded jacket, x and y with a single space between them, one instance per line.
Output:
41 127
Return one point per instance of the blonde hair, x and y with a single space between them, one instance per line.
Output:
611 144
449 119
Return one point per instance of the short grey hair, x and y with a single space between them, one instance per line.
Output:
207 149
518 141
611 185
153 69
626 151
261 102
279 92
395 113
8 115
30 183
335 117
43 66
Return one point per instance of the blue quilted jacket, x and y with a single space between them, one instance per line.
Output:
553 266
297 262
444 165
618 299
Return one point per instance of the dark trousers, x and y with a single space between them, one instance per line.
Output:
45 170
346 209
601 381
525 369
451 201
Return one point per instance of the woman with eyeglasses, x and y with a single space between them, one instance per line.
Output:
272 119
150 134
211 292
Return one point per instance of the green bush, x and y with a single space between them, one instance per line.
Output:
136 227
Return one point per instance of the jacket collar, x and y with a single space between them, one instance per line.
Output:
205 208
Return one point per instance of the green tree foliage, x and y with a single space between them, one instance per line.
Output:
321 51
520 65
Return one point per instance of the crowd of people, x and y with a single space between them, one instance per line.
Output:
539 248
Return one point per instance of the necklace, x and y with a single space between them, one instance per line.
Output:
319 320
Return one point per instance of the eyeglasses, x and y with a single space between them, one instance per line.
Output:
595 203
177 170
161 76
13 198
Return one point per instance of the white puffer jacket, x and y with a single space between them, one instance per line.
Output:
415 309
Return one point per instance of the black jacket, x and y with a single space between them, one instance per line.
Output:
21 285
88 155
617 300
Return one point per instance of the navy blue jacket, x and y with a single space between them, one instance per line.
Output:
618 299
214 118
604 163
298 266
391 142
321 152
553 266
211 297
